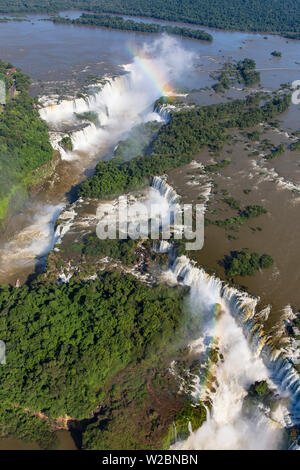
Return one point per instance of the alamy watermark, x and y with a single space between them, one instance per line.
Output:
2 352
144 220
296 92
2 92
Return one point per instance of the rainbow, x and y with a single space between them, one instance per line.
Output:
203 387
157 76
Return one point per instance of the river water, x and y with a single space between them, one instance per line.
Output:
46 51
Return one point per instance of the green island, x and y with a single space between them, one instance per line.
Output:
24 141
245 263
244 15
117 22
88 116
243 215
6 20
279 150
242 71
123 250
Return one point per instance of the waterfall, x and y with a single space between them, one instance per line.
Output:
64 110
122 103
228 320
85 138
164 112
159 183
55 138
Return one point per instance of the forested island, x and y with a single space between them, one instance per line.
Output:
245 15
243 71
117 22
6 20
245 263
24 140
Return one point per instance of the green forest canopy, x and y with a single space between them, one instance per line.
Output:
117 22
246 15
245 263
65 342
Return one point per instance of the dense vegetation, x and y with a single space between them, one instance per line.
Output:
187 133
123 250
245 263
22 424
24 141
259 394
217 166
292 35
66 143
65 342
6 20
117 22
260 389
246 69
88 116
247 15
195 415
243 215
276 53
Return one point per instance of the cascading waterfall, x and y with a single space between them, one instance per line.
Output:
159 183
270 174
126 100
248 355
118 106
64 110
55 139
227 317
121 104
33 242
164 112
